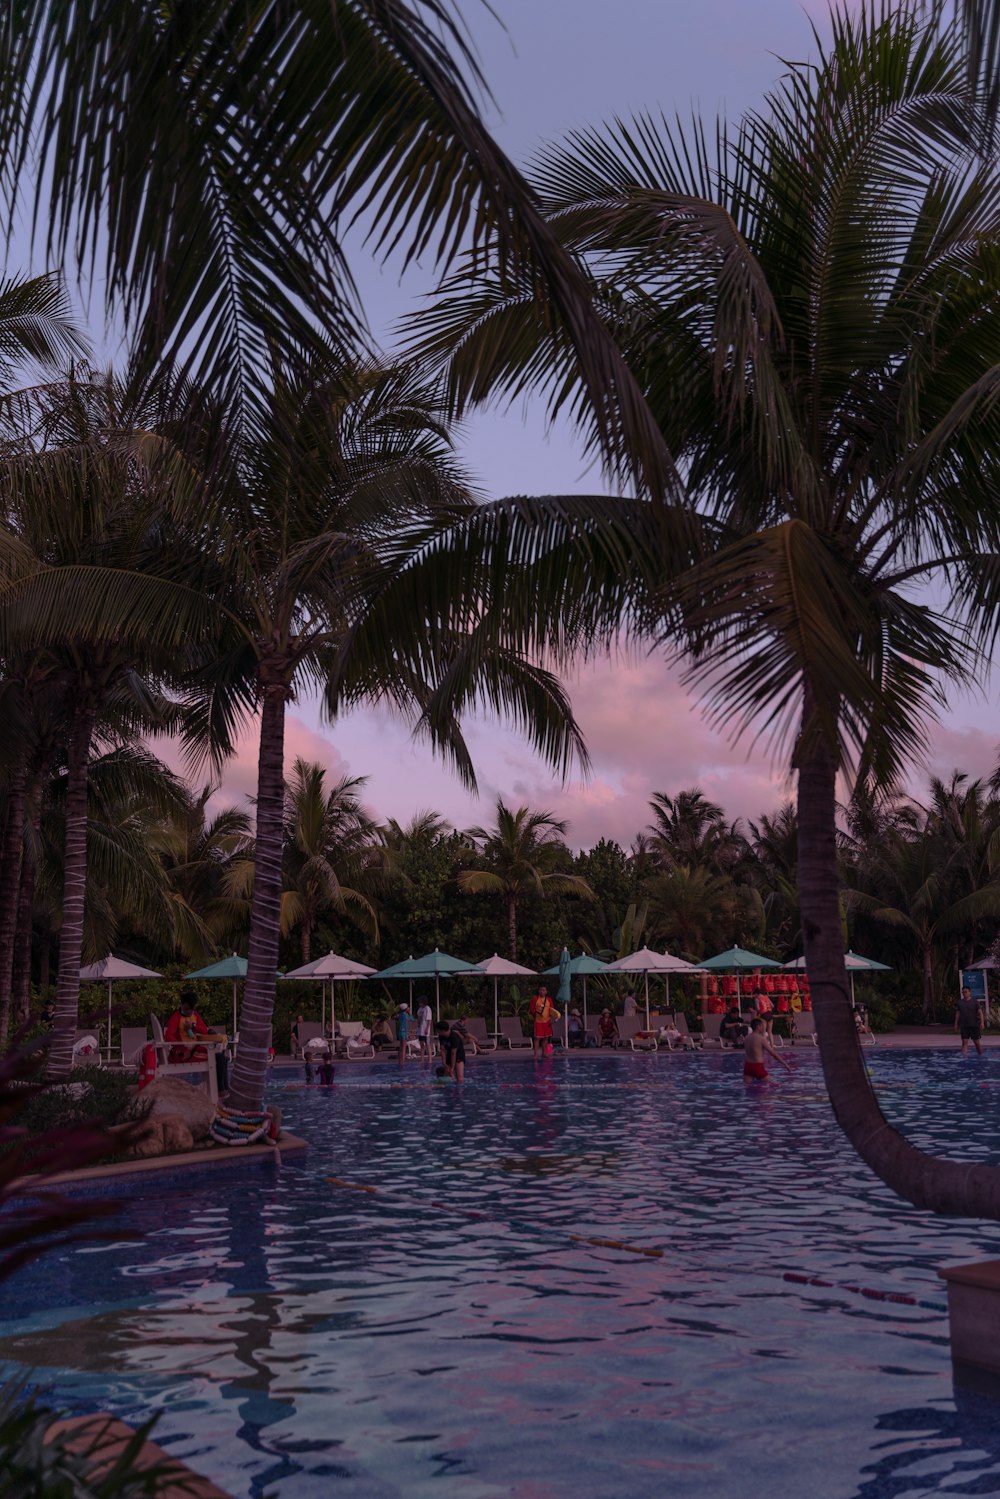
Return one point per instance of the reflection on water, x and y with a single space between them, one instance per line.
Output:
452 1326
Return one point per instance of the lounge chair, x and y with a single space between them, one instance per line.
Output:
355 1041
476 1028
309 1030
687 1042
713 1025
511 1034
87 1049
629 1027
164 1067
133 1040
805 1029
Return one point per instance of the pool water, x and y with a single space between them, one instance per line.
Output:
451 1333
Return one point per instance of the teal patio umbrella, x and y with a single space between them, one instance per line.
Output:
434 965
234 967
564 993
332 967
738 960
585 966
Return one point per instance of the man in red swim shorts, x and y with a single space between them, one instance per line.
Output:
754 1047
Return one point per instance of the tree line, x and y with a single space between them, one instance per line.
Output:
170 882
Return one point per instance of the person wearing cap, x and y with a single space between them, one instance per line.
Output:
607 1026
403 1022
576 1033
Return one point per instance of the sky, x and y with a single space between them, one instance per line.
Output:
554 66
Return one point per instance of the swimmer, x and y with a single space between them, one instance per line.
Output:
754 1047
452 1050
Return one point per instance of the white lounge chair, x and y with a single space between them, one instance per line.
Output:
805 1029
309 1030
628 1029
134 1039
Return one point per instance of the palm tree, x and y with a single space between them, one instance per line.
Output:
692 911
201 854
934 877
91 577
200 163
310 517
36 328
523 852
330 852
689 829
810 306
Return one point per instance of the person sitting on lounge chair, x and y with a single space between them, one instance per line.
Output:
607 1026
577 1034
733 1028
382 1037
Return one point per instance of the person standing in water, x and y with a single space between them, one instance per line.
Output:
754 1047
969 1020
424 1020
542 1012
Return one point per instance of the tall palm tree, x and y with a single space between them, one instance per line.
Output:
810 305
87 490
200 161
525 851
309 517
331 852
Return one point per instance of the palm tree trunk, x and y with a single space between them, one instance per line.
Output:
926 1181
10 884
74 891
512 926
21 986
305 938
250 1068
928 968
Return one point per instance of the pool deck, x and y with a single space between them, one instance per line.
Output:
913 1037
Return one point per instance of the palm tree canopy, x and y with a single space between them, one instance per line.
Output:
200 160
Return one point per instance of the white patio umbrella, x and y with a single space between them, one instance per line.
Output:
109 969
854 963
498 968
332 967
645 961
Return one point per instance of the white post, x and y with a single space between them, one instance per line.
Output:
646 981
496 1007
109 1021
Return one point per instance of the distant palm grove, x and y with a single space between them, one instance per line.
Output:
776 339
170 882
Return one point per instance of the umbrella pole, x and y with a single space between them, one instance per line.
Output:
496 1007
853 1005
666 985
333 1009
109 1020
437 996
646 982
235 981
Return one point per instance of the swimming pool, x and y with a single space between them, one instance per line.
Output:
306 1339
